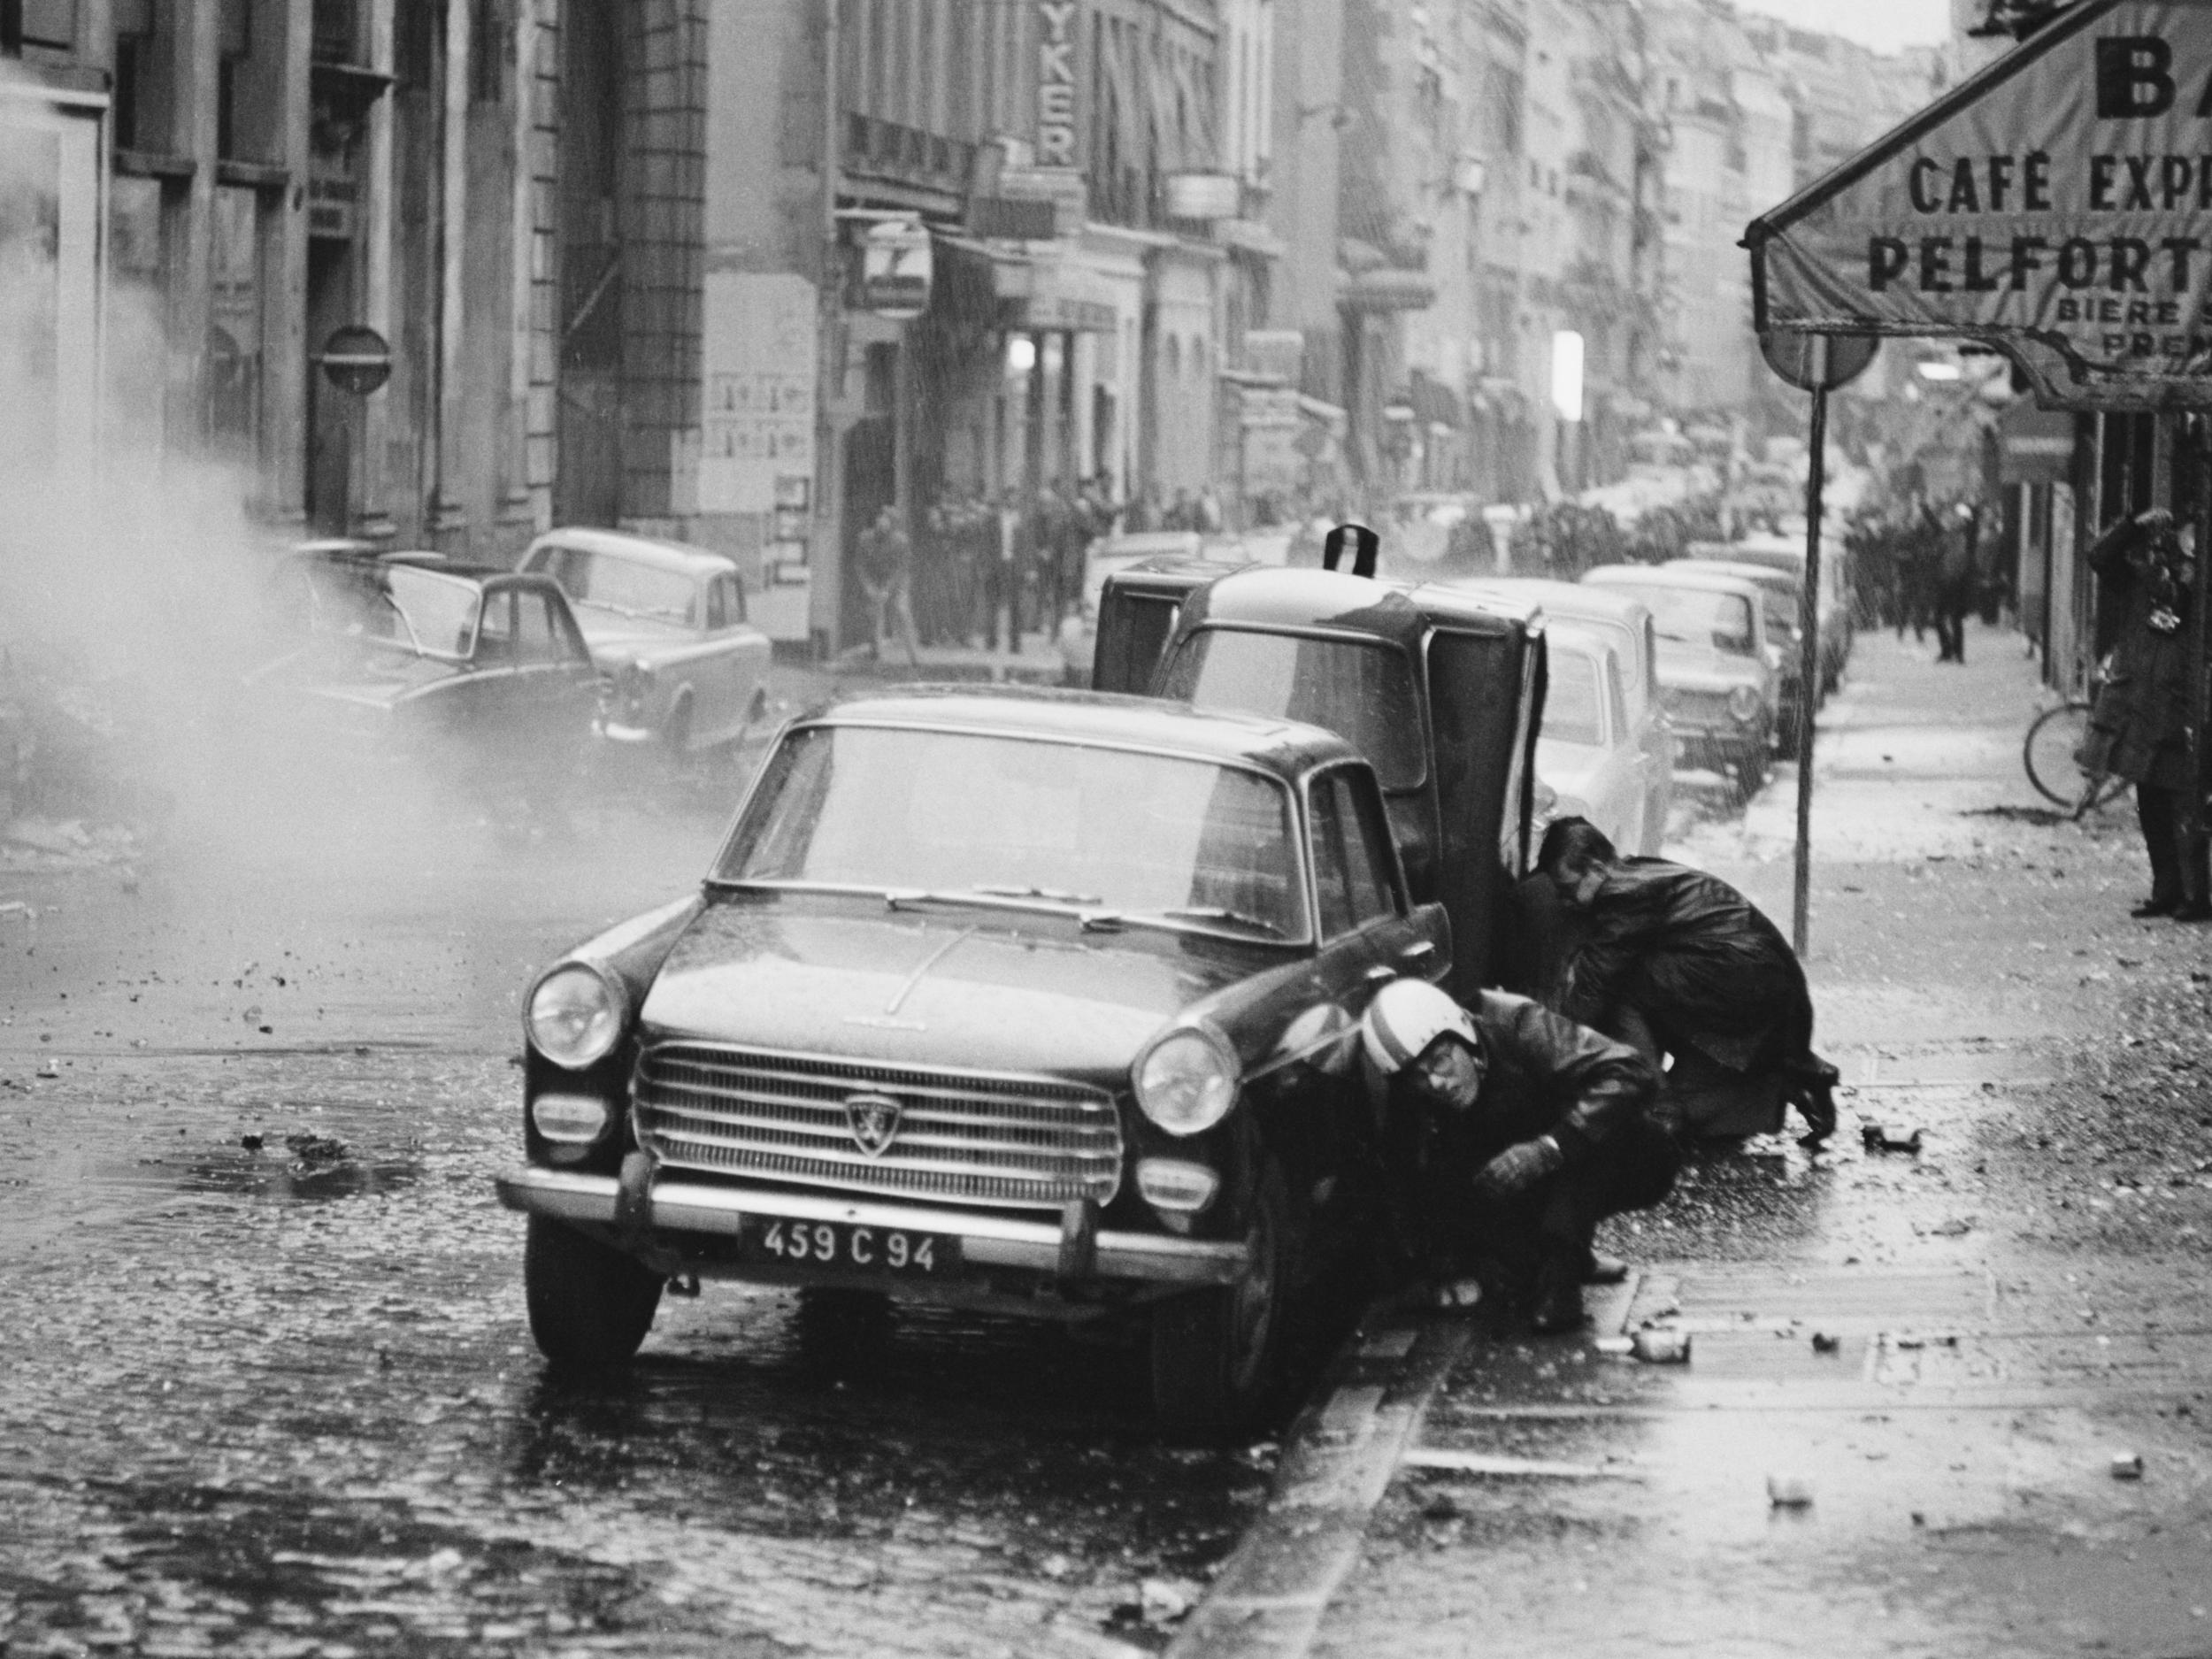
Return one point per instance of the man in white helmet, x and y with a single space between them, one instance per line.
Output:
1511 1133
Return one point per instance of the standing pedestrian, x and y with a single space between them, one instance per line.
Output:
886 576
1000 588
2139 727
1957 582
1509 1135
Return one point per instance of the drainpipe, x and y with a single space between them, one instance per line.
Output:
449 514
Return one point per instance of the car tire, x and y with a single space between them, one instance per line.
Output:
1217 1355
590 1305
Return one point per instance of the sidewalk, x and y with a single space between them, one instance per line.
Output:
2000 1314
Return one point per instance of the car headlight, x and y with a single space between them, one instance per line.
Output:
1186 1080
574 1015
1743 705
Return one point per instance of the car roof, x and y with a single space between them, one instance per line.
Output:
1672 576
1301 597
1566 601
1582 641
1287 747
1765 575
679 556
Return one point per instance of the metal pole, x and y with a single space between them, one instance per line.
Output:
2201 651
1808 656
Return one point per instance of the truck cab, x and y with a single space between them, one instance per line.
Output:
1440 688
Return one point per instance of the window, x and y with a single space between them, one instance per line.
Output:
537 635
1571 700
1361 689
496 630
717 605
1351 861
1186 843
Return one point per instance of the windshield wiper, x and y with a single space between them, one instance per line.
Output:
1058 895
1216 913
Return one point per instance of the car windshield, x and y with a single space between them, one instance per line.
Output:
1361 689
434 614
1571 700
623 587
1188 843
1693 616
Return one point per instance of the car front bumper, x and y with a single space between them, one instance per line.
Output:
986 1240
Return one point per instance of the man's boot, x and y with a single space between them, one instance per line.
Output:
1557 1308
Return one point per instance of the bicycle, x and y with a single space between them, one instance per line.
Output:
2054 737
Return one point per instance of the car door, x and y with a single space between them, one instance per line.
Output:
1485 703
555 686
1370 933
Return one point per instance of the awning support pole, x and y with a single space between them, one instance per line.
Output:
1809 631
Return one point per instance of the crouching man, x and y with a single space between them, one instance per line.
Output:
1510 1133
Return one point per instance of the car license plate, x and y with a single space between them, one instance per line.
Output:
846 1244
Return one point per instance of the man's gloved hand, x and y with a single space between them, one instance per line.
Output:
1518 1168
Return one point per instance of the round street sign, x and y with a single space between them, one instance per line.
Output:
355 359
1818 362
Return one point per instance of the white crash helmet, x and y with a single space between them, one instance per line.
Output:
1405 1018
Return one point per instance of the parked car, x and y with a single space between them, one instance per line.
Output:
1587 758
1440 688
1780 597
1021 998
413 658
1838 627
1715 667
666 624
1626 622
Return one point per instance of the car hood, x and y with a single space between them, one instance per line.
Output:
370 678
943 990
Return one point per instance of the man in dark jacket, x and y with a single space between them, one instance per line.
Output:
1510 1133
1677 963
2140 728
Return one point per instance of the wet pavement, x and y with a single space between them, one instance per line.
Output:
268 1388
1908 1374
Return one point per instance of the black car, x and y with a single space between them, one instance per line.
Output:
412 659
1042 1000
1441 689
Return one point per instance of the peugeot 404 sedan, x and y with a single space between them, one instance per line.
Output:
1041 1001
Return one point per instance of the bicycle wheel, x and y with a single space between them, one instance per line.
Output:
2053 740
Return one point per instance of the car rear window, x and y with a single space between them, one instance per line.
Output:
1361 689
1693 616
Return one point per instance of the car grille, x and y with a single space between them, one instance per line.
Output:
962 1137
1702 708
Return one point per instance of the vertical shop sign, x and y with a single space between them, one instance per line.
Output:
1056 83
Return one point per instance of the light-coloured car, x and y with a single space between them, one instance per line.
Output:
1625 622
1585 752
666 622
1787 553
1715 667
1782 591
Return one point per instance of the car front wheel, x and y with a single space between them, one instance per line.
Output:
590 1305
1217 1355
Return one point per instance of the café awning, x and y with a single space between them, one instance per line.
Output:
2057 206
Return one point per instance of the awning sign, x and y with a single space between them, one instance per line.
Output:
2058 204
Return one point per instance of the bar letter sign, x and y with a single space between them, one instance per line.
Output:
1056 83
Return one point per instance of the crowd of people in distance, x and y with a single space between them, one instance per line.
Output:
1926 569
